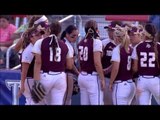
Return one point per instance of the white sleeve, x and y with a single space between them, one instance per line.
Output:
134 54
116 54
97 45
70 51
37 47
27 55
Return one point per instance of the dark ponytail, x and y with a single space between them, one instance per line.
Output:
68 30
63 35
91 33
91 28
151 30
53 43
55 28
27 36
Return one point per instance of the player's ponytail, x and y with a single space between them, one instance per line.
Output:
55 29
91 29
27 36
121 34
54 43
150 33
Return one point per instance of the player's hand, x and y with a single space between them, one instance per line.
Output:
110 86
105 71
21 91
103 85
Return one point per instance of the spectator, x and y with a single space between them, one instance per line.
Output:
6 31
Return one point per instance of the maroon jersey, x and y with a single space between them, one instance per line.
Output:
85 50
31 69
124 72
147 64
107 54
53 61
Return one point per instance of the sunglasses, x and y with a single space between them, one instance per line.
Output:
73 36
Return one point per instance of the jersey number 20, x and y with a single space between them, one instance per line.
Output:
83 53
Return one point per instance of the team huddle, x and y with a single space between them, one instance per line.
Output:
123 69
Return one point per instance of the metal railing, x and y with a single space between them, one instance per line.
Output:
8 56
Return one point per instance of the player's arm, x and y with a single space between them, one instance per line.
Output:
98 66
97 55
115 65
75 70
25 67
108 69
38 61
114 72
37 66
27 58
135 60
18 45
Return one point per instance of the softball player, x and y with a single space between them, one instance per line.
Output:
34 21
121 83
51 59
91 78
146 62
136 34
27 60
108 45
69 36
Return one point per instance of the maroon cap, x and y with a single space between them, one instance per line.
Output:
113 24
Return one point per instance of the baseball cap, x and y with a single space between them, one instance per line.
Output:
113 24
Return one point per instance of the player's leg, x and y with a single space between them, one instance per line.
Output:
123 93
68 94
47 81
58 89
154 86
94 90
143 95
82 82
134 100
132 93
27 93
